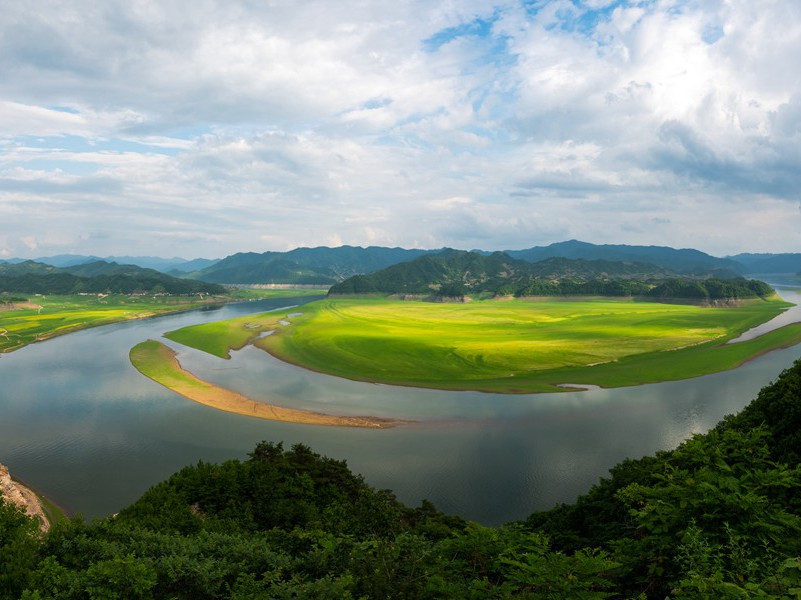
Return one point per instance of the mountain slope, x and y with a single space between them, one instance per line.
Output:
96 277
769 263
321 265
456 272
685 261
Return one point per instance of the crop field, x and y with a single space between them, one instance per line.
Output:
504 346
44 317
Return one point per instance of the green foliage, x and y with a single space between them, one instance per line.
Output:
18 547
712 289
455 273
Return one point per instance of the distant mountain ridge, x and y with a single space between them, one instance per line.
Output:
179 265
32 277
685 261
327 266
320 265
769 263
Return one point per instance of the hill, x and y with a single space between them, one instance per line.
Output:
321 265
717 517
26 267
179 265
685 261
454 273
97 277
769 263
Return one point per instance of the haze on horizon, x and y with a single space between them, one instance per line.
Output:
205 128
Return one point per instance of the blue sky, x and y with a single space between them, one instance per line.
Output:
204 128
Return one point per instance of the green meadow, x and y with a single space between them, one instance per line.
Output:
48 316
512 346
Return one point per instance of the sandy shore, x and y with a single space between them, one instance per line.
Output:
158 362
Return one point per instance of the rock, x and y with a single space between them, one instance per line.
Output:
19 495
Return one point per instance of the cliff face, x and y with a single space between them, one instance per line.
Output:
21 496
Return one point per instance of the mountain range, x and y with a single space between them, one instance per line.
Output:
178 265
328 266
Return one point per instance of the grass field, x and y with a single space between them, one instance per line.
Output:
158 362
64 314
513 346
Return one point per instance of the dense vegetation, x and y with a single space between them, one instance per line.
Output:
94 278
712 289
455 273
719 517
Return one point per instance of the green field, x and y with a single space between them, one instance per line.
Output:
50 316
513 346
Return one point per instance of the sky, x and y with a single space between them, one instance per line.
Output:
200 128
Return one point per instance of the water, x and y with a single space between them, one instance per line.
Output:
80 424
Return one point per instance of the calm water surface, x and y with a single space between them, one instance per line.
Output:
80 424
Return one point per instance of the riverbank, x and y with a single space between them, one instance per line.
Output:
158 362
53 316
15 492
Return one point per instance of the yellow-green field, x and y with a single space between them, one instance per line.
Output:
511 346
48 316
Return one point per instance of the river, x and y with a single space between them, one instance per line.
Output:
81 425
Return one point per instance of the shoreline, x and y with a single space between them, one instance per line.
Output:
555 386
160 363
24 497
183 308
81 327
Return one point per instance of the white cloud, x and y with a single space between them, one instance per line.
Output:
206 128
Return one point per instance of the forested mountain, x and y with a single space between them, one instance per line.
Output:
685 261
454 273
321 265
26 267
769 263
327 266
102 267
180 265
718 517
98 277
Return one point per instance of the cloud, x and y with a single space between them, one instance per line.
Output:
206 128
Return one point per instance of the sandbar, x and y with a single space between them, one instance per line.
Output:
159 362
